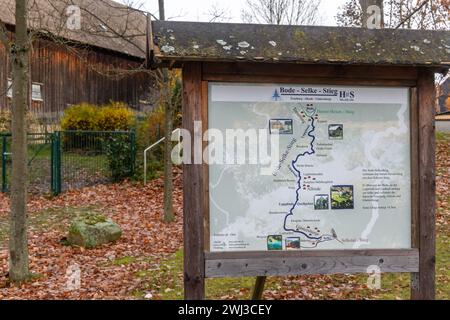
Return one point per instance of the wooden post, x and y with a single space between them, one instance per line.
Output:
194 193
259 288
424 282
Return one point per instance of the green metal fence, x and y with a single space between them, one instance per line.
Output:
5 148
67 160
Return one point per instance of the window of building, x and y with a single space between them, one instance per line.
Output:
36 92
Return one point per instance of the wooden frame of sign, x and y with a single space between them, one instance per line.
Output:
200 263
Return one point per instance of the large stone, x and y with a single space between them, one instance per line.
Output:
91 231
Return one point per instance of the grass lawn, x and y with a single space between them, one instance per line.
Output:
167 282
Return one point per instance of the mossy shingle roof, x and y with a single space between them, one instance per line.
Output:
196 41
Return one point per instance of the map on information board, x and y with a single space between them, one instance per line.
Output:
342 174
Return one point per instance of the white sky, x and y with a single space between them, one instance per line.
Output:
197 10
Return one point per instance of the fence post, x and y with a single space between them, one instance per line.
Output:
52 163
4 187
133 152
56 163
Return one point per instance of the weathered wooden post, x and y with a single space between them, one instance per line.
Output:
354 187
195 189
423 282
258 288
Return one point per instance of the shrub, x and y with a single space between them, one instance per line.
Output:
115 116
149 129
80 117
177 103
5 120
119 155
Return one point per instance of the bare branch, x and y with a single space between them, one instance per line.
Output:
291 12
412 13
218 14
409 14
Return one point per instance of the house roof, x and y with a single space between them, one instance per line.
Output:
194 41
104 23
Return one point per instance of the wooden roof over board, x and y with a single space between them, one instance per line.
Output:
176 42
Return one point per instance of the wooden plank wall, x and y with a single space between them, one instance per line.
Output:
71 76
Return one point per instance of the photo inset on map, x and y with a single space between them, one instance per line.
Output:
342 197
321 202
283 126
274 243
336 131
292 243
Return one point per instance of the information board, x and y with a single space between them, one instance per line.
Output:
341 178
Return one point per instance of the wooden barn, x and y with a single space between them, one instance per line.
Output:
83 51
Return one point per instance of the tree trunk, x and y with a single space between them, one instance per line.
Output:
168 128
18 241
162 14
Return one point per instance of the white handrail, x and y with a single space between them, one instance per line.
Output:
151 147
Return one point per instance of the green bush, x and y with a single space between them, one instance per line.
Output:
114 116
120 156
150 129
81 117
5 121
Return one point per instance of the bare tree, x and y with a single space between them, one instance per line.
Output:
47 18
405 14
18 49
168 128
290 12
217 13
